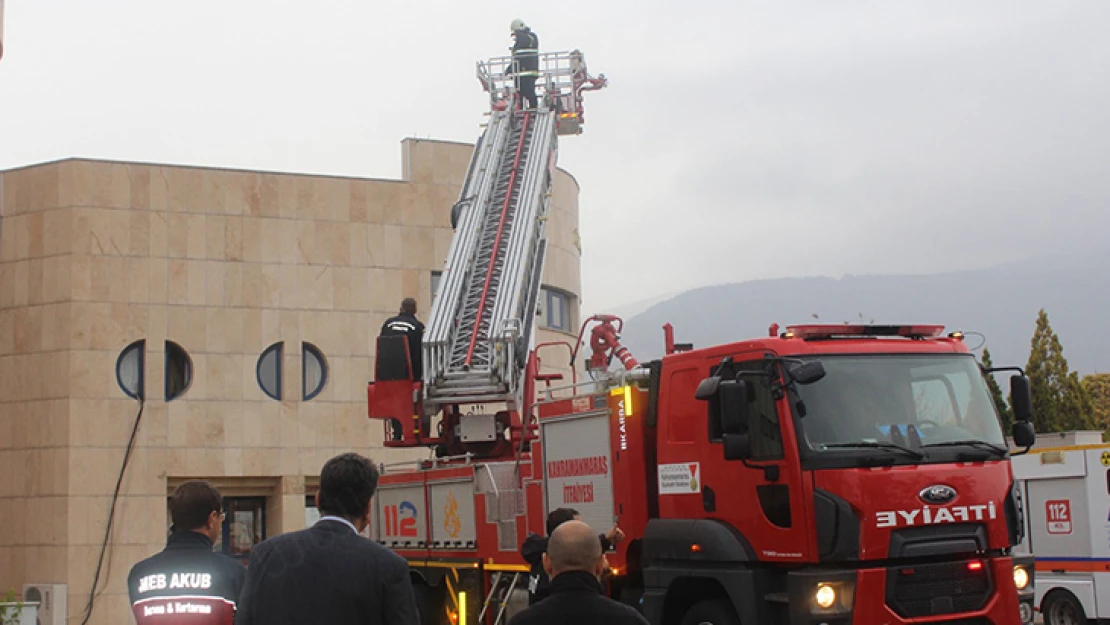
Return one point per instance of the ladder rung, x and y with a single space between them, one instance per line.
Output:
470 390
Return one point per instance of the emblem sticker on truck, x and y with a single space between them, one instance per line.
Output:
680 479
1058 512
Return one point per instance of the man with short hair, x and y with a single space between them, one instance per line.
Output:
575 563
534 547
406 324
328 573
188 574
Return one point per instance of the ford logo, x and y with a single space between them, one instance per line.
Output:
937 494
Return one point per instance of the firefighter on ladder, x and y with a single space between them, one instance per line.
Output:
526 61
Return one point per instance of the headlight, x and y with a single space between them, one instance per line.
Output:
1021 577
825 596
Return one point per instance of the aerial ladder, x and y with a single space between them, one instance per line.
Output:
480 366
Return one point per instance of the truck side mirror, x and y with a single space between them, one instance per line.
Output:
707 388
737 446
1023 434
807 372
1021 397
733 397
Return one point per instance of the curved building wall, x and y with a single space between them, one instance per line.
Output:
95 256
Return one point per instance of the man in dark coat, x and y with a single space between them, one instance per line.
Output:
526 60
575 562
329 573
188 572
406 324
535 545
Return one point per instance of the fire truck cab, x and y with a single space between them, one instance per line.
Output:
853 474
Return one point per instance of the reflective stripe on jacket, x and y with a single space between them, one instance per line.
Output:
526 60
186 584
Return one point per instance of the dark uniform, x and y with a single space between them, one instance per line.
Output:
410 326
186 584
539 586
526 64
327 575
576 598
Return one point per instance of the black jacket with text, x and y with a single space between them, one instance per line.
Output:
410 326
186 584
526 48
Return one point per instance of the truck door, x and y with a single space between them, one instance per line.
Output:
1098 496
761 497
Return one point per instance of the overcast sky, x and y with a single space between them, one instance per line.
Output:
737 140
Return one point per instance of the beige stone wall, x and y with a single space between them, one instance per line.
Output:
96 255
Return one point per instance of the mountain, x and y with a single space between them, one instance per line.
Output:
1001 303
628 311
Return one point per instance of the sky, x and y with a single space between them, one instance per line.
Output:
737 140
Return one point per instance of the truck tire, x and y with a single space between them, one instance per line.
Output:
715 612
1061 607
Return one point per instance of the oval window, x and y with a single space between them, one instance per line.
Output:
179 371
129 369
315 370
268 371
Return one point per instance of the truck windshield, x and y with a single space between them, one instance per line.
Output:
916 401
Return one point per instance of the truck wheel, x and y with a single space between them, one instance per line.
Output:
1061 607
714 612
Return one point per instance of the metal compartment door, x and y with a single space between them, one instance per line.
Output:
577 466
1057 511
452 513
401 516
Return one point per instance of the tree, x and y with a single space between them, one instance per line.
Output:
1060 403
1097 386
996 394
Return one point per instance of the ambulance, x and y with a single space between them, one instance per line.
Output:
1065 486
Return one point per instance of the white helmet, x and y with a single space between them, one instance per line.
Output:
517 24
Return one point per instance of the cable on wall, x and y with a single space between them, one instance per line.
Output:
93 592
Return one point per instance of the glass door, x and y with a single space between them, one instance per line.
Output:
244 526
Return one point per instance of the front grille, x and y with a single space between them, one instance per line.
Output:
939 588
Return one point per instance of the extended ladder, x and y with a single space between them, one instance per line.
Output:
480 330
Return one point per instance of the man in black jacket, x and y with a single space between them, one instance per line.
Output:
534 547
188 582
406 324
526 60
328 573
575 562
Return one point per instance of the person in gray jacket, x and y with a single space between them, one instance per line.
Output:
328 573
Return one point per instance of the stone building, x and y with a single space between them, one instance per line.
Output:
243 305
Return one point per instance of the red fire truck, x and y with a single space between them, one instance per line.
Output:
821 474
